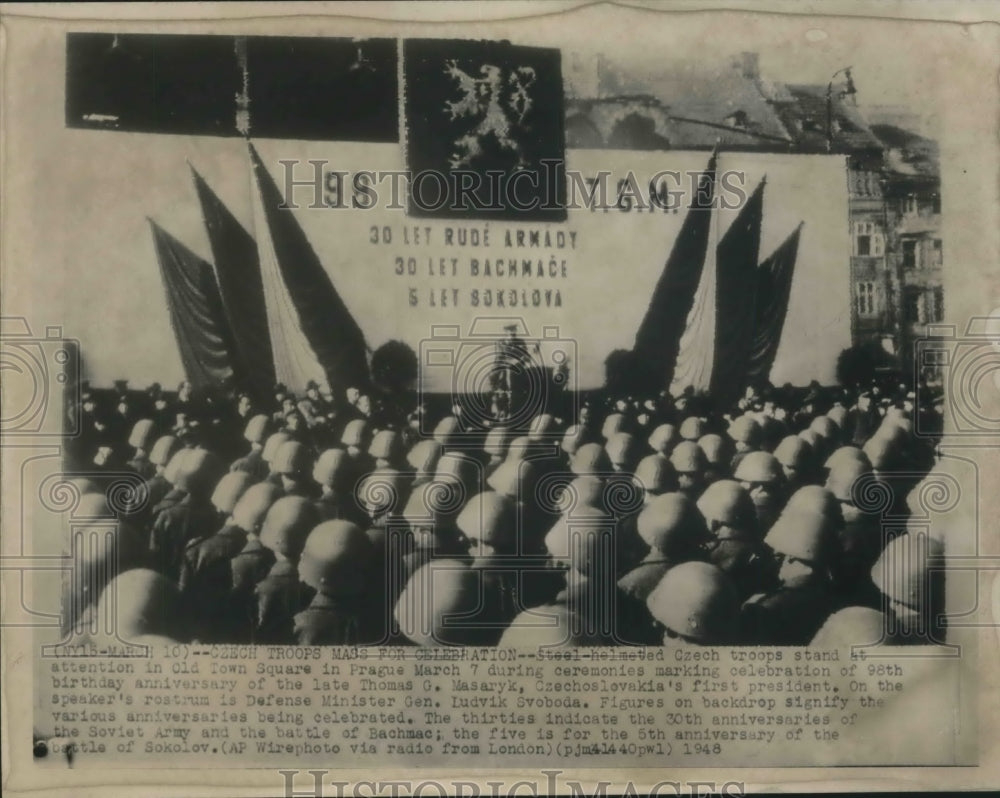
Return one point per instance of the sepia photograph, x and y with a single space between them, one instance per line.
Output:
430 396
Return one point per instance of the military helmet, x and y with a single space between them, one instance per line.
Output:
590 459
806 535
549 626
696 600
746 430
663 438
489 517
292 459
447 430
846 454
813 498
851 626
793 452
843 477
424 456
655 474
174 467
496 441
356 433
621 448
613 423
541 426
287 523
573 438
430 607
582 540
334 558
434 503
142 433
670 524
692 428
584 491
459 467
387 444
229 490
331 469
93 505
880 450
83 486
727 502
256 429
164 448
518 448
688 458
273 443
903 571
199 471
816 441
825 427
513 478
759 467
141 602
382 491
252 506
718 450
838 415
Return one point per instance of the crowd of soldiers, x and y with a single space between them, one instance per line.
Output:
632 521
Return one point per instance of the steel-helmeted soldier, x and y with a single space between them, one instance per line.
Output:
193 516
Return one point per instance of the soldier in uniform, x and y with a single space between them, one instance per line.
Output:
191 517
331 565
910 575
256 432
690 463
430 609
695 604
674 533
489 524
795 457
718 455
623 451
293 463
746 434
140 440
805 543
737 545
281 594
140 510
333 473
761 474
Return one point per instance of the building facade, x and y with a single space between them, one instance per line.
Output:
894 208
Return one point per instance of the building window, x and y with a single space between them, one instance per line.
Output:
910 204
867 239
913 304
937 297
867 297
910 254
936 258
936 204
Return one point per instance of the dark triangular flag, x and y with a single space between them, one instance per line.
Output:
318 329
196 314
774 287
735 287
237 268
658 339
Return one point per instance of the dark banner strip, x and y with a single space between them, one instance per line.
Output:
312 88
